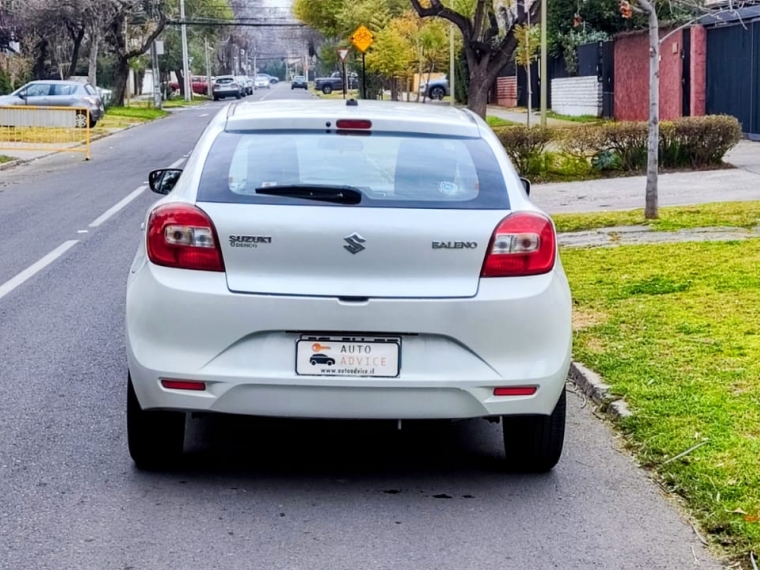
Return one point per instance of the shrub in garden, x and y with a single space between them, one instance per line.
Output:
628 141
705 140
525 146
580 142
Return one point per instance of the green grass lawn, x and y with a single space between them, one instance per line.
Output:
573 119
498 122
674 330
4 158
121 117
729 214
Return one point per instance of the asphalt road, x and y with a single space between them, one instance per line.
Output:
255 494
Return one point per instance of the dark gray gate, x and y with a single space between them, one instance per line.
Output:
733 74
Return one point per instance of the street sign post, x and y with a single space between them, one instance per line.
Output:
342 54
361 39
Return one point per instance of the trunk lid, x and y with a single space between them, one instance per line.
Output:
352 252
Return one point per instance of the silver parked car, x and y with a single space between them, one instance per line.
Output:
227 86
55 93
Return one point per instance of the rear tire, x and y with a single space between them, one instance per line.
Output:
327 89
437 93
534 443
156 438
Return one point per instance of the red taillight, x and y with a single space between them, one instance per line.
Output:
353 124
523 244
515 391
191 385
182 236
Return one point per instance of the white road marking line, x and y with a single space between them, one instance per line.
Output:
204 115
82 231
114 209
176 163
36 267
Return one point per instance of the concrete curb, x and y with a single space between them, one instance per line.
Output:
592 385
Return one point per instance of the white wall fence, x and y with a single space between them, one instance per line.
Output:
576 96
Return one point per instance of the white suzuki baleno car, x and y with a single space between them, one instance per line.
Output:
364 260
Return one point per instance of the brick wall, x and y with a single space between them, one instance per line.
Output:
632 76
506 91
577 96
698 71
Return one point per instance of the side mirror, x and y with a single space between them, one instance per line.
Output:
22 95
526 185
164 180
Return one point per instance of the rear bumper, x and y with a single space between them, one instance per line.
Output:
187 325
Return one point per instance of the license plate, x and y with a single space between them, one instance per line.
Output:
374 357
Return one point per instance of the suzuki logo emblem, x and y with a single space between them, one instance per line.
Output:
354 243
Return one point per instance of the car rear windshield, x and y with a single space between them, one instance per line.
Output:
224 80
390 170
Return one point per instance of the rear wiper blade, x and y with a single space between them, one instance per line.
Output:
334 194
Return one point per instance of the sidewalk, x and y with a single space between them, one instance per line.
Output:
677 189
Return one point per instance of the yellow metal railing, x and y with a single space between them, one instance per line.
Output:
54 129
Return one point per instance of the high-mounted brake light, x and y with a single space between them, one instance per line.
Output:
182 236
353 124
524 243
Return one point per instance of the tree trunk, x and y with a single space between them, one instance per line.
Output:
480 85
40 59
78 39
121 77
181 81
530 92
92 71
653 144
429 73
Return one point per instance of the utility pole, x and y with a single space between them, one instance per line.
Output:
544 65
452 68
209 88
185 62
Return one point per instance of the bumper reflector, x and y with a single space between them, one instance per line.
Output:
183 385
515 391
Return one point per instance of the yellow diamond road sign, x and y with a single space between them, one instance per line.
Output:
362 38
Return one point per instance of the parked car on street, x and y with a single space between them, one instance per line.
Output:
335 82
299 82
226 86
262 82
246 85
198 82
420 283
436 89
56 93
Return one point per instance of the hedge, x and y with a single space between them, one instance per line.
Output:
695 142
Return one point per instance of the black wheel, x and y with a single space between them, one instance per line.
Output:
156 438
534 443
93 122
437 93
331 362
327 89
216 98
237 96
